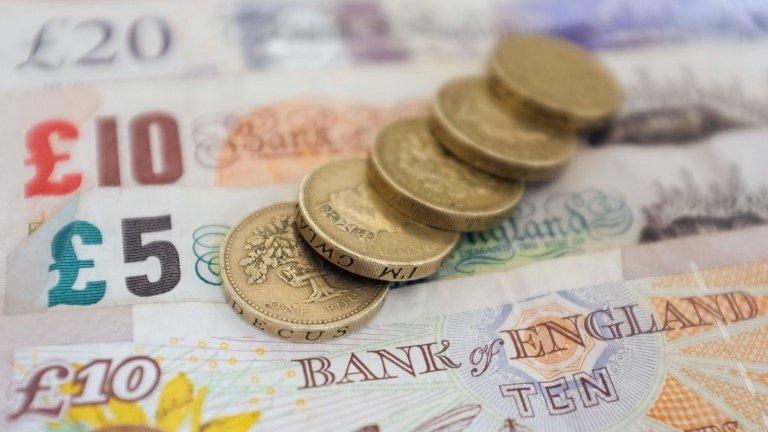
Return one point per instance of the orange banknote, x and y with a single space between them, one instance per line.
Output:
685 351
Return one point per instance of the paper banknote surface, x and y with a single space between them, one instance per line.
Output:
631 293
273 128
104 247
193 323
267 128
50 43
679 351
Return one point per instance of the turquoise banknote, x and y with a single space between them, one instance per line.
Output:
79 257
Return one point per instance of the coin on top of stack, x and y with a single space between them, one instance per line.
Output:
477 129
276 283
555 78
413 172
349 224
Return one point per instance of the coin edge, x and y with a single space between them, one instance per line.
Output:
230 290
515 96
366 264
428 213
484 159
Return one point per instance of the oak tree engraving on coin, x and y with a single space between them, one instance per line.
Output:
276 245
277 284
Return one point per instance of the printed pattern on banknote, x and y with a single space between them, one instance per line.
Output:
264 132
685 352
79 259
83 43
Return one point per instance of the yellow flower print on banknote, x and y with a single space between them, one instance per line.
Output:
179 407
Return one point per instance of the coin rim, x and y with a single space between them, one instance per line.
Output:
517 95
273 327
484 158
400 197
234 294
365 265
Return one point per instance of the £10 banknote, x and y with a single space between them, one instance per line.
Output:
113 246
681 349
274 128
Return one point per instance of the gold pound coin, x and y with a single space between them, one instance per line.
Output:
345 221
279 285
554 77
475 128
413 172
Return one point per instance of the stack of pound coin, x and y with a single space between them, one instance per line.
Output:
317 269
345 221
414 173
471 123
277 284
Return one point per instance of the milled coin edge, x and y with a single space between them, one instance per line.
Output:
360 264
431 214
274 323
301 333
516 96
485 159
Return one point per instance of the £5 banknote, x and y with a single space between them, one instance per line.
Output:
272 128
119 246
